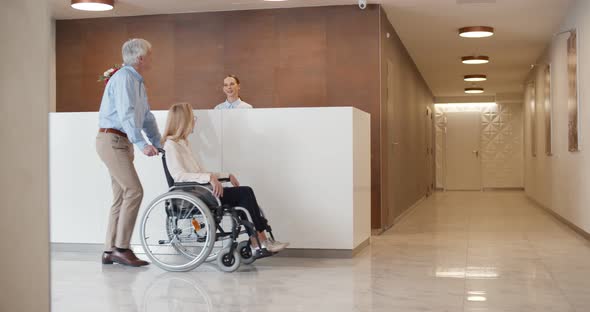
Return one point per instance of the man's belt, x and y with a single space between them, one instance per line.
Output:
111 130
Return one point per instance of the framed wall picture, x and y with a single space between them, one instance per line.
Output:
532 102
573 98
548 109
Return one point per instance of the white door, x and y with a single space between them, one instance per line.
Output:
463 166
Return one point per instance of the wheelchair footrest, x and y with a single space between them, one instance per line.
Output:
262 253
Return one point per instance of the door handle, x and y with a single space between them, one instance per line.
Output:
476 153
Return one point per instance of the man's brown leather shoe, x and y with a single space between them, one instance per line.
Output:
106 258
127 257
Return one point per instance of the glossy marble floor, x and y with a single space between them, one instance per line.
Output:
491 251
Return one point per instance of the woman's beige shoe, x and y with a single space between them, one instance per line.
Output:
274 246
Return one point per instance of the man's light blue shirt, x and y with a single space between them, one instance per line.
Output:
125 107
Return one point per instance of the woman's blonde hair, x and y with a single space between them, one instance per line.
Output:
180 122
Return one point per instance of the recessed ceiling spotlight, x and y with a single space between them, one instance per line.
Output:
476 32
473 90
481 59
93 5
474 78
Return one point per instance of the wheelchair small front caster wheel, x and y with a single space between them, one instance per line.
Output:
245 252
228 261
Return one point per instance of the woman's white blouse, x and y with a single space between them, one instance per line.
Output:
182 165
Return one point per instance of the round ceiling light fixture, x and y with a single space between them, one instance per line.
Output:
475 78
473 90
93 5
476 32
481 59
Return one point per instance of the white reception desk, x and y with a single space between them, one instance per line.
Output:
309 168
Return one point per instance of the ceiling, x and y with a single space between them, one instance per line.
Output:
428 29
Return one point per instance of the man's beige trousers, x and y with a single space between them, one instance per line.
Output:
117 154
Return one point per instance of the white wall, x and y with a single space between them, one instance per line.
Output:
501 143
561 182
361 175
24 104
299 161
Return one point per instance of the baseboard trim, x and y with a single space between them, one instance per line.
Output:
407 212
361 246
79 247
289 252
316 253
500 189
563 220
377 231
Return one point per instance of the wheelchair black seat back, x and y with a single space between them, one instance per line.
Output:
188 225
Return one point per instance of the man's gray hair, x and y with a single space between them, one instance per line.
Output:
133 49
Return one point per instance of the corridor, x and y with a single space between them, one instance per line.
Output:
456 251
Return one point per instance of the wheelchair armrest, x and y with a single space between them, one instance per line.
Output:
193 184
180 184
188 184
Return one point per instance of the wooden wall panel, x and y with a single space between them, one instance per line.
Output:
301 74
325 56
251 52
198 60
404 167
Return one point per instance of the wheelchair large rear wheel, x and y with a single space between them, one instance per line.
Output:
177 231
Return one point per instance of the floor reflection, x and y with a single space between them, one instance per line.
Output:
176 292
470 272
456 252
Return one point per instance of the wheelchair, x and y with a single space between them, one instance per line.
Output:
188 225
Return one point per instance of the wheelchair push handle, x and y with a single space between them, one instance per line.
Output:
161 151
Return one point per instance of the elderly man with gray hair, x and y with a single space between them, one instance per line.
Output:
124 113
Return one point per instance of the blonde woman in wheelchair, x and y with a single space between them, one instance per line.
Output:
184 167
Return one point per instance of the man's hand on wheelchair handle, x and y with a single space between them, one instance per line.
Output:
217 187
150 150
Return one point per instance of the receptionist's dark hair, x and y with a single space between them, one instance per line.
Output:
235 78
